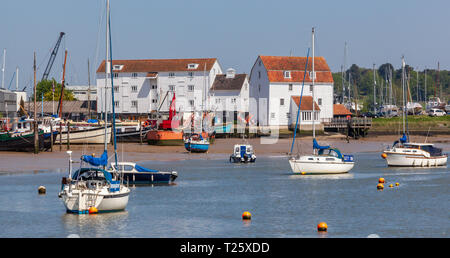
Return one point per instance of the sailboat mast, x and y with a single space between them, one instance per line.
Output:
312 86
374 91
3 68
106 75
403 95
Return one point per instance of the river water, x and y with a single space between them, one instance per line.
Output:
210 196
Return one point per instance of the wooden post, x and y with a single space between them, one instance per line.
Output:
68 135
140 130
60 135
51 136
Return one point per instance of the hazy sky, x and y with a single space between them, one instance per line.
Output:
234 31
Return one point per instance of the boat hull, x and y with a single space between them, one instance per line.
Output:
148 178
305 166
80 201
89 136
25 143
196 147
408 160
131 136
165 138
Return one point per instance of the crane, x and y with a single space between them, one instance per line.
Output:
52 57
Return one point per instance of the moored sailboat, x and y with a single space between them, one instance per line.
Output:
328 160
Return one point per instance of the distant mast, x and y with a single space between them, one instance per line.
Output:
3 68
374 91
106 74
312 86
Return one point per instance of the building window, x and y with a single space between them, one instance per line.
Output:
192 66
217 101
117 67
191 102
281 102
154 101
319 101
312 75
133 88
171 74
116 89
311 88
272 115
191 88
134 103
259 74
116 75
116 104
287 74
134 75
190 74
171 87
288 115
290 87
306 116
154 86
233 101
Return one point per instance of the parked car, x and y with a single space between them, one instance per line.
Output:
370 114
436 112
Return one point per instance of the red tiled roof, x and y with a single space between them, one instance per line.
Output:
276 65
306 103
340 110
160 65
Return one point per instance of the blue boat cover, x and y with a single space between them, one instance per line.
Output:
102 161
317 146
92 121
142 169
404 138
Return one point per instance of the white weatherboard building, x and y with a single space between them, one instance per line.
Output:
230 92
274 80
145 86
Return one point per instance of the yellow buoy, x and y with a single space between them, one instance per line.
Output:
380 186
41 189
383 155
322 226
397 184
391 185
381 180
93 210
303 173
246 215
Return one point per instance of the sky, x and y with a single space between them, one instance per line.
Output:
233 31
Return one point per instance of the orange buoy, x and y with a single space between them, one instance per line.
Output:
93 210
391 185
381 180
397 184
380 186
246 215
383 155
322 226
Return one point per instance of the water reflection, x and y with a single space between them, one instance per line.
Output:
95 225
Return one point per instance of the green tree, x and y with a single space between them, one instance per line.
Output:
45 87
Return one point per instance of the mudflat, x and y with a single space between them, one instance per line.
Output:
221 149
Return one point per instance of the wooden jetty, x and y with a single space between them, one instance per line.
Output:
354 127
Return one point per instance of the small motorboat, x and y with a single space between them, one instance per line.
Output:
243 153
196 143
135 174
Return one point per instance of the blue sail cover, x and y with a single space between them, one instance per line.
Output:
142 169
102 161
317 146
92 121
404 138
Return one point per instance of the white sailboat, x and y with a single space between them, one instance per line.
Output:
91 188
327 160
406 154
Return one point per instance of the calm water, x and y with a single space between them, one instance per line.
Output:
210 196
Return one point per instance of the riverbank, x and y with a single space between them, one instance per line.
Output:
221 149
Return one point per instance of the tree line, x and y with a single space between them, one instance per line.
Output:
361 81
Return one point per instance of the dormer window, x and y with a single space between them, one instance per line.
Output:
312 75
287 74
192 66
117 67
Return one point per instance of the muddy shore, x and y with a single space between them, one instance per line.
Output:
221 149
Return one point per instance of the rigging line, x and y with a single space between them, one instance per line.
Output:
300 102
97 48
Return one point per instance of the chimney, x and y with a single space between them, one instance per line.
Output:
230 73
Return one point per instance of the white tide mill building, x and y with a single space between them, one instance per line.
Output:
145 86
274 80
